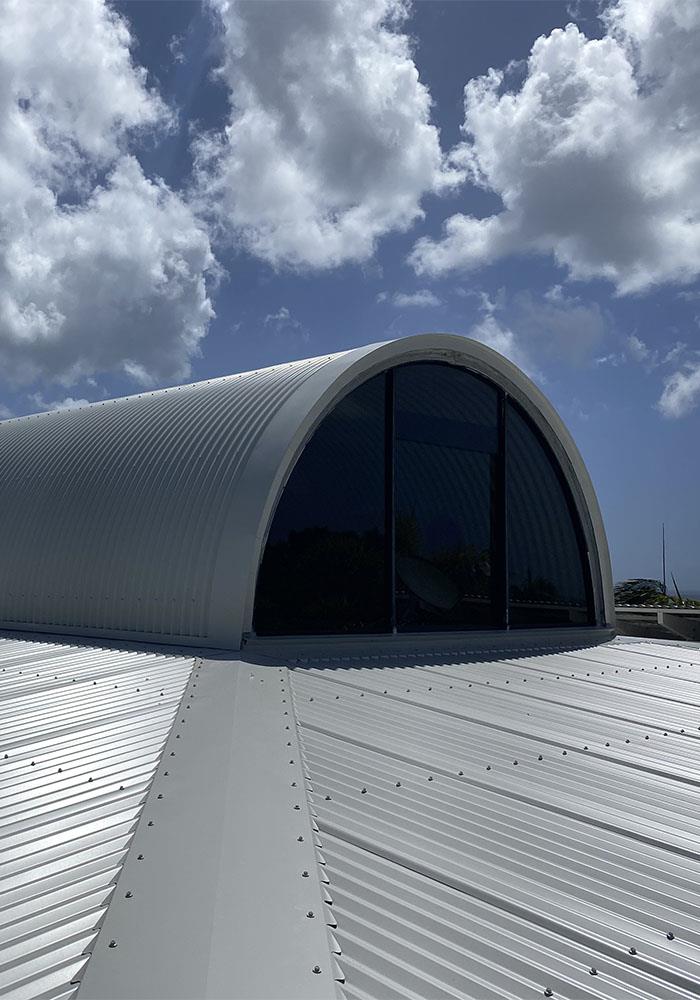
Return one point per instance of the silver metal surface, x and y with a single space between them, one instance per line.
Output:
223 891
504 827
81 732
145 517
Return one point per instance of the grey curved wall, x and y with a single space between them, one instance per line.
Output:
146 517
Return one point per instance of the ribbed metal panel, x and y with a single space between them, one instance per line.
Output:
112 513
145 518
502 828
81 732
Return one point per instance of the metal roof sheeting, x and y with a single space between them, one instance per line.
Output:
112 513
144 518
81 732
505 827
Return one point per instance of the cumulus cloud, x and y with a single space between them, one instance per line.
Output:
68 403
420 299
492 329
329 144
595 156
559 325
282 321
100 267
681 393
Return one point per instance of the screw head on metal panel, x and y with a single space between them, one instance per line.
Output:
328 798
548 992
310 913
488 767
112 944
128 895
564 753
300 839
297 807
160 795
316 969
670 935
398 784
430 777
633 951
304 874
363 791
139 857
593 971
150 822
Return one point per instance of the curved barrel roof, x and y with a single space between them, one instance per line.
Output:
145 517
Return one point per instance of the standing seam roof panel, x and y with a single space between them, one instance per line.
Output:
127 477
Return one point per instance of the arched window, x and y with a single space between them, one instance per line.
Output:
548 579
425 501
324 568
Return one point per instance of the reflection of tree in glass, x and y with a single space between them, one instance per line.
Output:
407 534
318 575
467 567
536 589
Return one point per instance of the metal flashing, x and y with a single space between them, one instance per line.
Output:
223 892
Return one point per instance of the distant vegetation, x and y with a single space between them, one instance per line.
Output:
650 592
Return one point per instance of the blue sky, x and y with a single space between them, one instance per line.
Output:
193 189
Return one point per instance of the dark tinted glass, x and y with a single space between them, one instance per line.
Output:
445 462
547 578
324 565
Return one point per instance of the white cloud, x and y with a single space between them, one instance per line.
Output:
559 325
634 349
329 143
406 300
681 393
100 268
282 321
68 403
596 156
5 412
554 326
495 333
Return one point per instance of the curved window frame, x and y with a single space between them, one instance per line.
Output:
499 512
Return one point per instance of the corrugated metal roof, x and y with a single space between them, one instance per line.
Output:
81 732
95 498
510 827
144 517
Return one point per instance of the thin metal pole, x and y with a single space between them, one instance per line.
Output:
663 553
390 496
